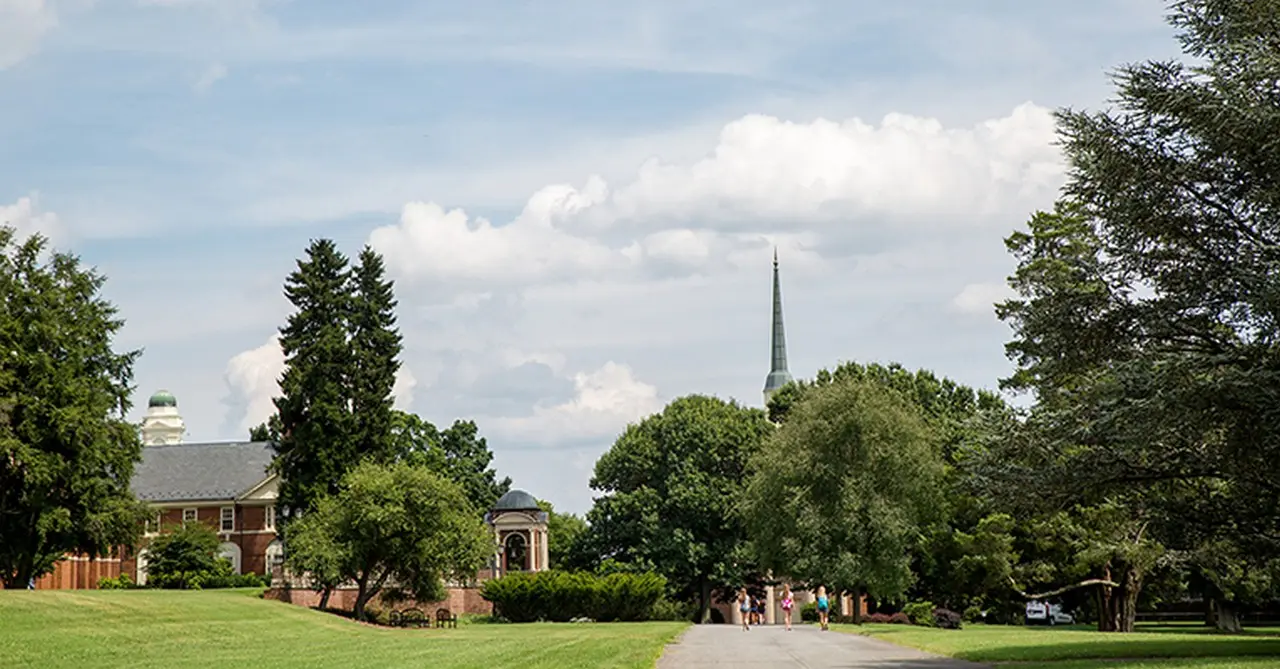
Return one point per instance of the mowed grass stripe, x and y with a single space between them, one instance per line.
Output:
105 629
1000 644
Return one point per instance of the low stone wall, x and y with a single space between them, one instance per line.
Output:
459 600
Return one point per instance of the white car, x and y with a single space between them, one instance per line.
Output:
1040 613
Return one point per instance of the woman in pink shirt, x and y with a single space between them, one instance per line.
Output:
787 604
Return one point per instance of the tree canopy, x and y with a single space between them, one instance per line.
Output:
67 452
670 485
398 527
840 491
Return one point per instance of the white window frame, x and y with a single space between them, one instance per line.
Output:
269 517
189 516
227 519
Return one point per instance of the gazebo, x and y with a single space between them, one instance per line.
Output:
520 529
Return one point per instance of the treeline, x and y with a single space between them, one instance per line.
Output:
1145 336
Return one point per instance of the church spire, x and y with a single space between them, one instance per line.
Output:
778 374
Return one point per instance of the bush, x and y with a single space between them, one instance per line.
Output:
920 613
121 582
563 596
946 619
973 614
717 618
667 609
809 613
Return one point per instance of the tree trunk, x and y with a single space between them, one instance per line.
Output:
857 606
1107 619
324 597
1210 612
704 601
362 596
1226 617
1118 606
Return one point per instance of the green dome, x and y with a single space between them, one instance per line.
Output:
162 398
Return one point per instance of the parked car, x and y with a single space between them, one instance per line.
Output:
1042 613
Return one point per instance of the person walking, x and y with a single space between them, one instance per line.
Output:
744 607
824 606
787 604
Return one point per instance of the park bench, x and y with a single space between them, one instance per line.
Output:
446 617
408 618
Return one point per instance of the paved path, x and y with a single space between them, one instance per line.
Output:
804 646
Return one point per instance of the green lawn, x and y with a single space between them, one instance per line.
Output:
51 629
1057 648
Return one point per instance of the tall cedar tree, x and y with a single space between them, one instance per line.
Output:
66 451
317 442
375 348
1148 310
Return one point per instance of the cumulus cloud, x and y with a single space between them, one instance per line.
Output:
980 298
605 401
26 217
253 380
211 75
23 23
826 179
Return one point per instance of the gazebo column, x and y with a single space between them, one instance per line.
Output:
770 600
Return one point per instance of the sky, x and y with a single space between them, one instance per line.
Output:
578 201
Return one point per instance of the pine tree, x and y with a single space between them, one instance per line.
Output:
375 349
317 444
66 450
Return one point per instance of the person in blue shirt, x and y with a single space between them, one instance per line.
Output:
824 606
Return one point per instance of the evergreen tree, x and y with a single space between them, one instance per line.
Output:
375 348
317 437
66 451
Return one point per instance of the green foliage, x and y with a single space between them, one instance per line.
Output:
66 450
121 582
565 537
398 527
920 613
672 609
459 453
186 558
375 344
669 488
841 489
318 443
809 613
560 596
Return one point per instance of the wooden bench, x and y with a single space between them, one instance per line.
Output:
446 617
408 618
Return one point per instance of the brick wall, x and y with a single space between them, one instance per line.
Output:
79 572
459 600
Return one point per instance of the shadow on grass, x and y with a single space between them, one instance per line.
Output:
1050 645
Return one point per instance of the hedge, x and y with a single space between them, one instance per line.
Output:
561 596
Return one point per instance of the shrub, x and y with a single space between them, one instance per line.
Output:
888 618
668 609
946 619
809 613
717 618
121 582
920 613
563 596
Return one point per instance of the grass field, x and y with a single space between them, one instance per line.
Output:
1080 648
54 629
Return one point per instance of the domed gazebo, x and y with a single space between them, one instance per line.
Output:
520 529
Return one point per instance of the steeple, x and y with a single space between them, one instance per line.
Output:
778 374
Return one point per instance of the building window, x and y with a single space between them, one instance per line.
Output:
228 519
153 526
188 515
269 522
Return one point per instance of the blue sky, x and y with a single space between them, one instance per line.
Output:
578 199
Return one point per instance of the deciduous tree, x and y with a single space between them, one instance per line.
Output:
670 486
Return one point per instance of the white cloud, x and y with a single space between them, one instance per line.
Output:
605 401
211 75
253 380
980 298
25 217
829 180
22 24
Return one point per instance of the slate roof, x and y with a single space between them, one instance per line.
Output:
195 472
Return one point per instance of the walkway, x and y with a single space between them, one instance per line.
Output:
805 646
